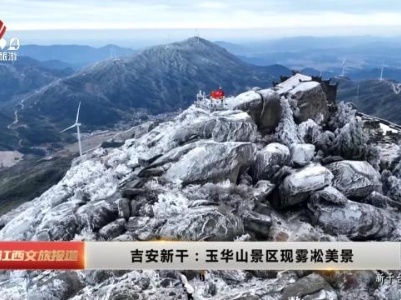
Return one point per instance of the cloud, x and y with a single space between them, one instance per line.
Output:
157 14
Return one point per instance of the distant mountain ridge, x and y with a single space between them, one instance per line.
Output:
375 97
76 55
159 79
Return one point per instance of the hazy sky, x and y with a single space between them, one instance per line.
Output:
291 17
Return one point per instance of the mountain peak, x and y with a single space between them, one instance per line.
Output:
193 48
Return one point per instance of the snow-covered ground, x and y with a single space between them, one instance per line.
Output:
387 128
210 175
9 158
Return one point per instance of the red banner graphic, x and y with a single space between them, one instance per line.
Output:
42 255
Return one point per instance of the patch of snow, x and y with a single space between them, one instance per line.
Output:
304 86
291 83
387 128
243 98
9 158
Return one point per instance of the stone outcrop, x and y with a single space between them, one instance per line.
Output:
269 160
263 106
355 179
299 185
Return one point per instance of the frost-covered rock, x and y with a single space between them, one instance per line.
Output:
227 195
351 140
112 230
287 130
269 160
59 286
357 221
232 126
124 208
298 186
330 194
95 215
302 154
355 178
60 223
221 126
389 155
212 162
203 223
308 285
257 223
144 228
311 101
263 106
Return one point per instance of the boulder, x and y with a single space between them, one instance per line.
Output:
355 179
151 172
263 106
357 221
310 284
144 228
95 215
299 185
233 126
124 208
330 194
269 160
131 193
175 154
60 223
262 189
311 101
64 285
389 155
202 223
257 223
212 162
146 159
112 230
379 200
302 154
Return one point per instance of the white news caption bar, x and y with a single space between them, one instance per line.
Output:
243 255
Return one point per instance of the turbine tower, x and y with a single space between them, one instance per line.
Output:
381 74
343 65
77 124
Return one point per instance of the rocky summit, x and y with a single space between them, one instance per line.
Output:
280 164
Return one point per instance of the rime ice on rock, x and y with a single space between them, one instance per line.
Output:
302 154
237 171
355 178
298 186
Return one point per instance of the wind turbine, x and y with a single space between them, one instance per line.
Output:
77 124
381 74
343 73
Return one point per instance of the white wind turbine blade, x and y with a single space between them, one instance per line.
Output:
79 106
69 128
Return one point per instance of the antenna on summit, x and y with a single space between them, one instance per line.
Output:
197 34
112 53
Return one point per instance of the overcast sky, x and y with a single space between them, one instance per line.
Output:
293 17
